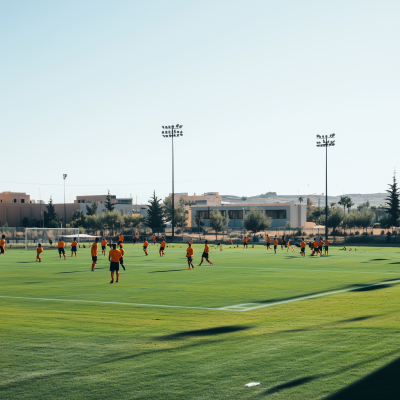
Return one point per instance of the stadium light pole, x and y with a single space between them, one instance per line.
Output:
172 131
65 210
326 141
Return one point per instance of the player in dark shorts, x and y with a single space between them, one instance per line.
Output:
326 246
205 254
121 260
74 245
189 256
114 256
2 244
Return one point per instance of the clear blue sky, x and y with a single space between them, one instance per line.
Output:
85 87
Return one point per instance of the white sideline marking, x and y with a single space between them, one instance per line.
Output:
237 307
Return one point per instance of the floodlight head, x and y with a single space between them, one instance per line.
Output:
64 176
332 135
318 136
163 127
181 134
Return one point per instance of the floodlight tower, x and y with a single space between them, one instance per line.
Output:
172 131
326 141
65 212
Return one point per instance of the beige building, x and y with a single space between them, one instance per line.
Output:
208 199
15 197
15 206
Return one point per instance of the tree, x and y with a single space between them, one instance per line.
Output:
25 222
218 222
180 216
393 202
335 217
344 200
110 220
366 218
385 222
255 221
349 205
133 221
199 221
155 213
92 209
108 204
310 208
50 215
351 220
94 222
244 198
77 219
333 204
301 200
288 225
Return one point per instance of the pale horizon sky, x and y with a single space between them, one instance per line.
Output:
86 86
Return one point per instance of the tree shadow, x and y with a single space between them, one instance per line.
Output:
167 270
205 332
381 384
68 272
370 288
395 263
290 384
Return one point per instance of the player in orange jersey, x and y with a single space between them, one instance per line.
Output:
245 242
120 239
288 245
61 249
303 247
268 240
93 252
205 254
154 240
314 247
103 246
3 244
189 256
162 247
320 244
275 244
282 241
145 244
326 246
121 260
39 250
230 241
113 256
74 244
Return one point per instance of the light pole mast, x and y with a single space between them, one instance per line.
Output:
65 211
172 131
326 141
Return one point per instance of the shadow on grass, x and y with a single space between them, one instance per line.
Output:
370 288
205 332
343 321
69 272
167 270
31 282
381 384
395 263
380 259
290 384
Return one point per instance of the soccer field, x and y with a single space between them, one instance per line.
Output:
305 328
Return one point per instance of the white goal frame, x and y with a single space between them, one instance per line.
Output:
49 229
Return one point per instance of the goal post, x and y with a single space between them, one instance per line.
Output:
49 236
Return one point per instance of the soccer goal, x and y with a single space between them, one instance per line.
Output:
48 237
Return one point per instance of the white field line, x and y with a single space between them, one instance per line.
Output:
222 266
237 307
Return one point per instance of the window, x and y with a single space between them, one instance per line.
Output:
248 211
203 214
22 200
15 200
276 214
235 214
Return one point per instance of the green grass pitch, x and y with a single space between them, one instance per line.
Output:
305 328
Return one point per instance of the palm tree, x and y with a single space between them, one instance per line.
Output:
349 205
343 202
332 205
300 200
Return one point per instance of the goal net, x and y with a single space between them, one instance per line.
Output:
48 237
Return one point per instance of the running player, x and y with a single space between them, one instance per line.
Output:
326 246
162 247
121 260
230 241
93 252
3 244
282 241
154 240
114 256
73 247
303 247
145 244
320 244
120 239
268 242
288 245
103 246
205 254
134 240
275 244
61 250
38 251
189 256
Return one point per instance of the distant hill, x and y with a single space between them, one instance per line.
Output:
375 199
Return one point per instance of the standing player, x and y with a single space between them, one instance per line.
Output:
103 246
320 244
73 247
38 251
189 256
288 245
154 240
145 244
282 241
113 256
245 242
326 246
162 247
275 243
3 244
205 254
314 247
121 260
120 239
93 252
61 246
303 247
268 239
230 241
